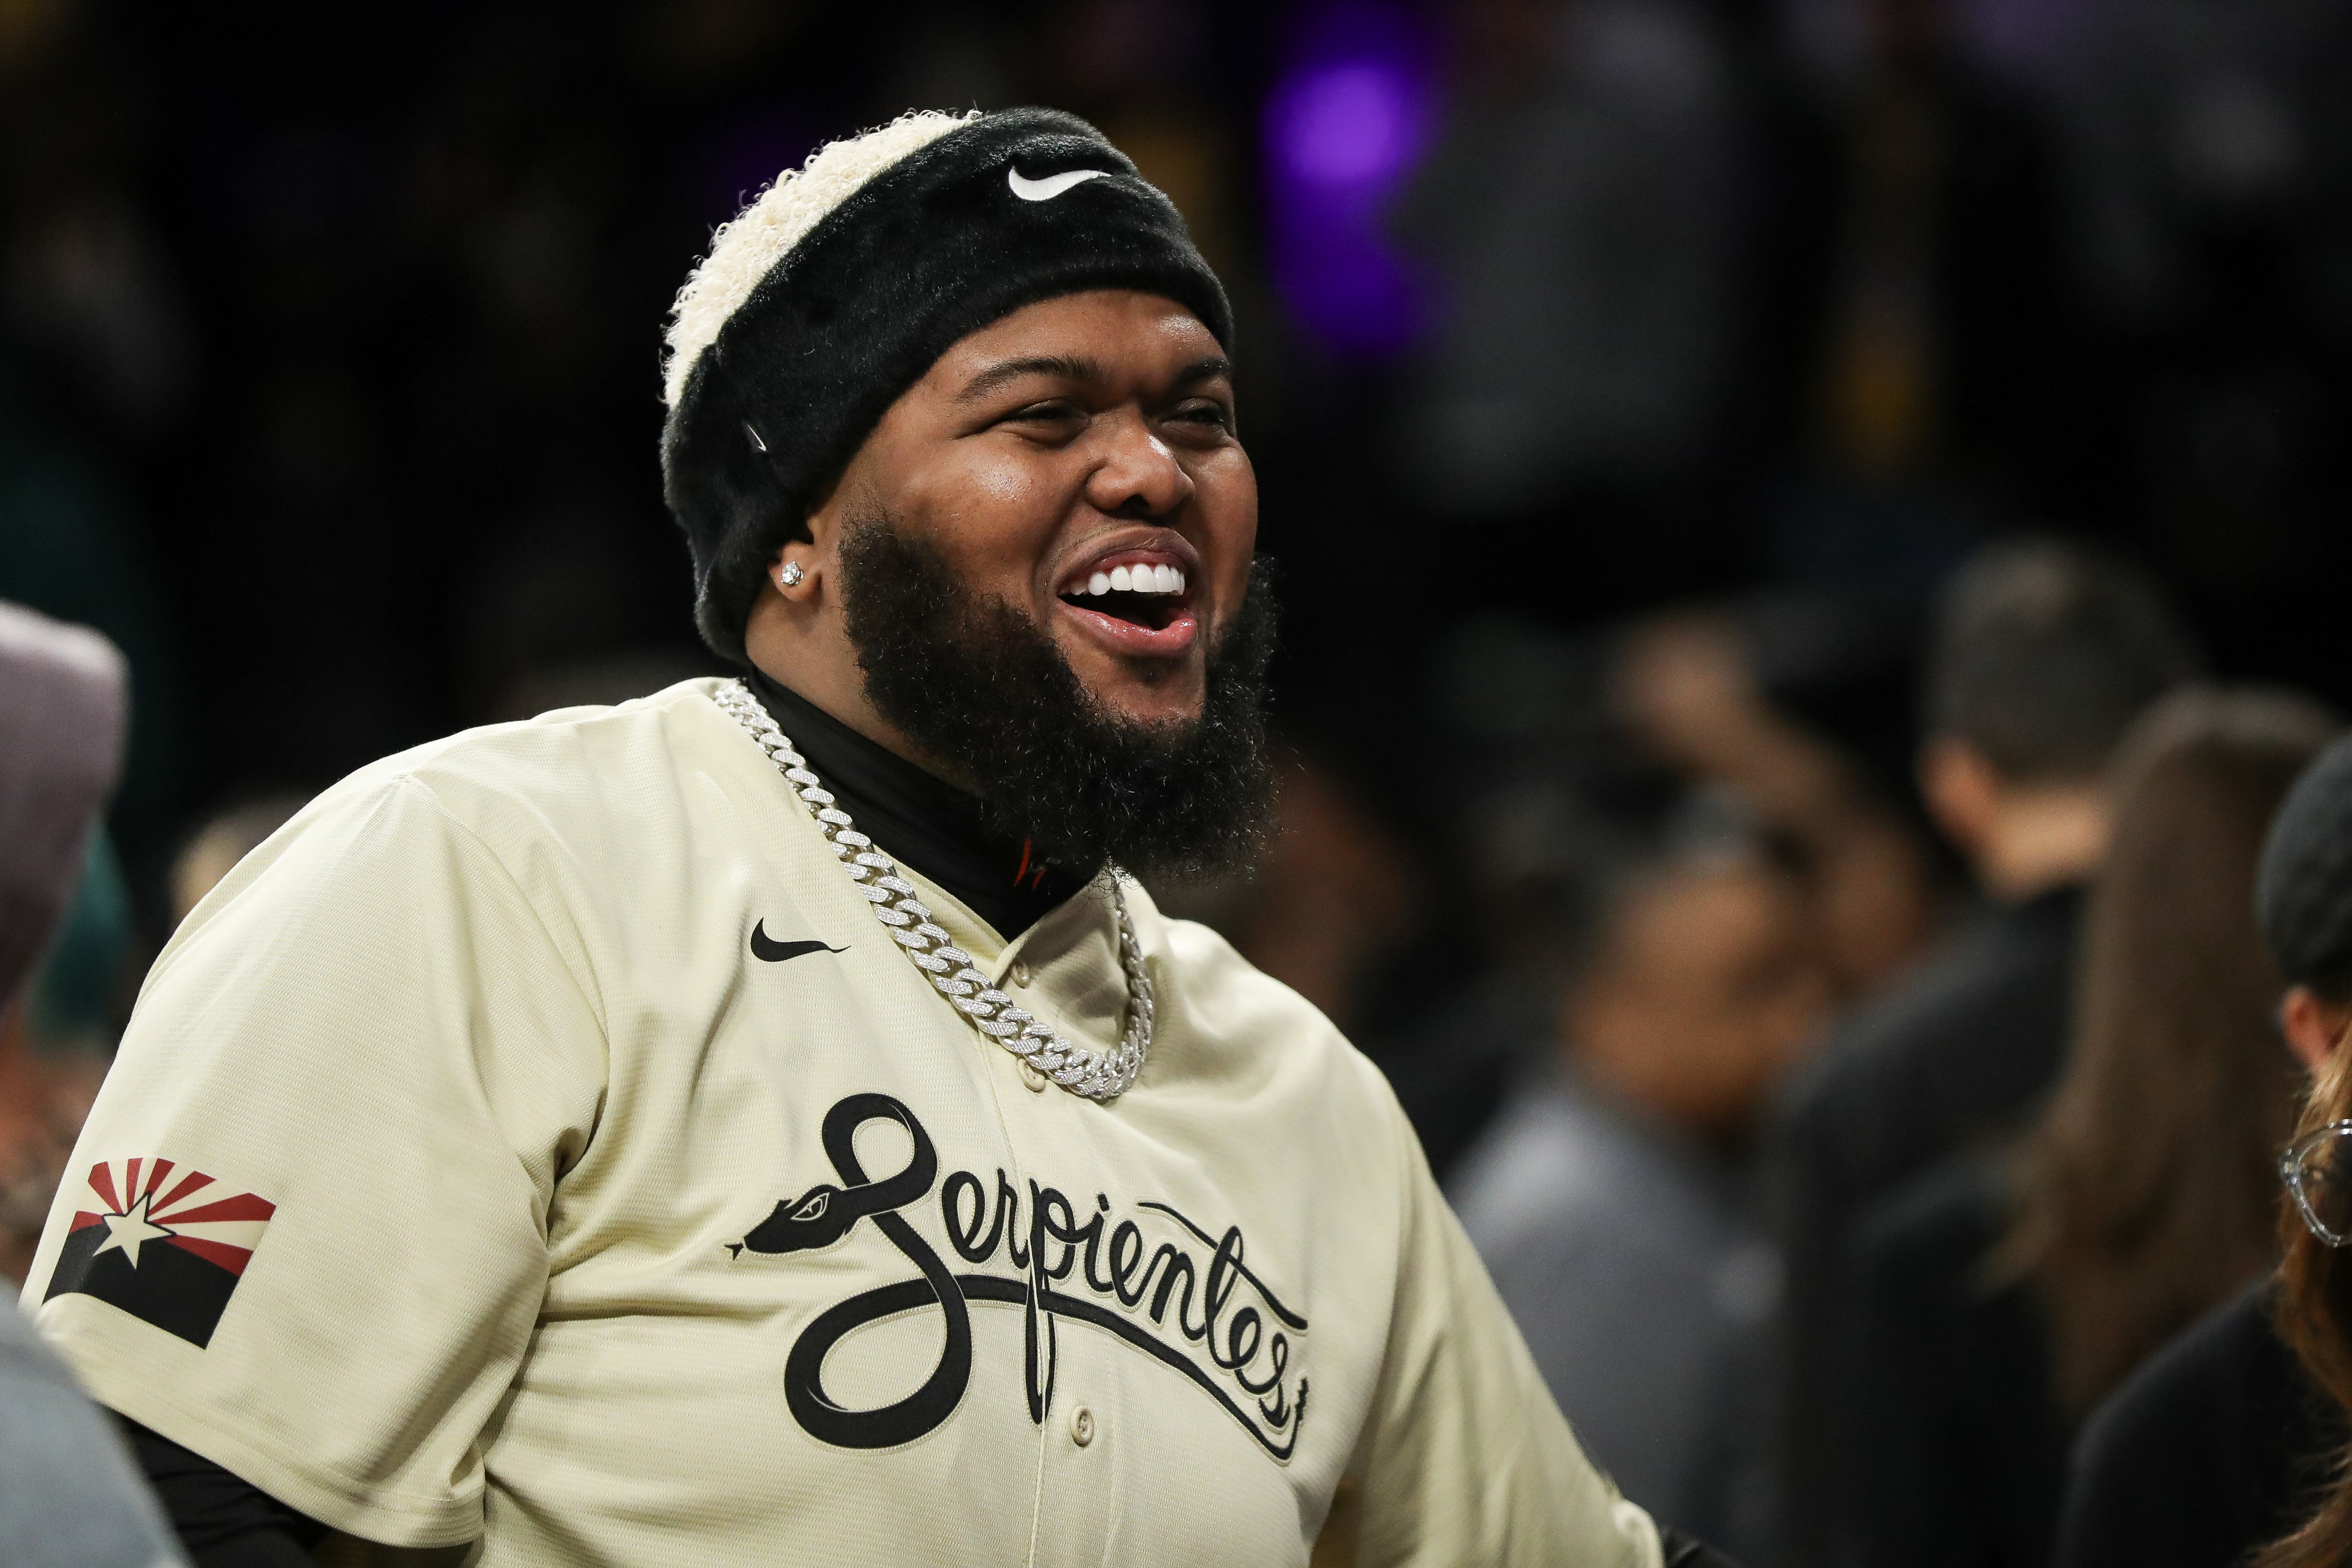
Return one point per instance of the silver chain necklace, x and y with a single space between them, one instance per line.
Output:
1081 1070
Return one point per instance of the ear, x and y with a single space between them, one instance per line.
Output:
2312 1027
814 553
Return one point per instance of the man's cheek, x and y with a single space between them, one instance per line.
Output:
1001 513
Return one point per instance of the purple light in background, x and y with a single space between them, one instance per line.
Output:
1343 126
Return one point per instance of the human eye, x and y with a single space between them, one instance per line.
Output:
1204 413
1057 415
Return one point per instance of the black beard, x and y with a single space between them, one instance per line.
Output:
977 684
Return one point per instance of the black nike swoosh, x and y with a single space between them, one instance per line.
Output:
774 952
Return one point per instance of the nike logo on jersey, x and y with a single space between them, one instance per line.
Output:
766 946
1158 1281
166 1245
1052 186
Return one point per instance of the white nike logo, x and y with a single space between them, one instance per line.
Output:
1052 186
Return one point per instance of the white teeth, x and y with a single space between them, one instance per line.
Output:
1138 579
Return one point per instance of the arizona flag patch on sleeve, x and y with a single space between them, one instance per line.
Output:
165 1244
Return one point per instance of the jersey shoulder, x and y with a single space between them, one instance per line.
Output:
602 777
596 761
578 787
1225 1018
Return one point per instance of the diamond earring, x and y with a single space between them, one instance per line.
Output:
792 575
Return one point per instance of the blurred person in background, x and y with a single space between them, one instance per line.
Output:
1609 1198
1779 707
58 1035
1688 687
2041 656
1998 1299
2222 1442
68 1495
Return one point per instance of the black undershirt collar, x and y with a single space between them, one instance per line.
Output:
923 822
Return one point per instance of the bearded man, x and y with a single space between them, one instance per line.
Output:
769 1120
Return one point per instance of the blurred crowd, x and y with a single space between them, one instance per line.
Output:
1810 557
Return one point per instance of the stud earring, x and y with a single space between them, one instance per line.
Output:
792 575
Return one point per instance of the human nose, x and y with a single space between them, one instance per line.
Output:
1139 474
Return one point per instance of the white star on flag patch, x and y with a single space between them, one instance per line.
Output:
163 1243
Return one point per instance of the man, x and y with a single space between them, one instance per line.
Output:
69 1496
2041 656
2220 1444
763 1121
1607 1200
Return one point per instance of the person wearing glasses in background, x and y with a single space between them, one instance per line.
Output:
2314 1312
2224 1440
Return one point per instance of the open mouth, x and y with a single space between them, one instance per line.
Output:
1141 594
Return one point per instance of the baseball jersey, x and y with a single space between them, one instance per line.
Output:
539 1143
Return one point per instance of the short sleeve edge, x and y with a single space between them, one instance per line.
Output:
375 1513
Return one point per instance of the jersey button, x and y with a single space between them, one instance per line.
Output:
1034 1079
1082 1426
1020 972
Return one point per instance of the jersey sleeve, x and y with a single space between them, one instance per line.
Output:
1464 1458
304 1233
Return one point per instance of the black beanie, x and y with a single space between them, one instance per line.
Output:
844 283
2302 894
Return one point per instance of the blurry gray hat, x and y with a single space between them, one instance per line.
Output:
64 697
2303 895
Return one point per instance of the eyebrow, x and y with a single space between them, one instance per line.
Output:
1205 370
1067 366
1077 368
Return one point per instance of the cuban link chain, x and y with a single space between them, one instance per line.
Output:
1081 1069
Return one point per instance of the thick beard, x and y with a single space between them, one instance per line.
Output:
978 684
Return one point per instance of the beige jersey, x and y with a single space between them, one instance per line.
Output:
539 1143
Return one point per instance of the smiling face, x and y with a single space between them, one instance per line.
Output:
1075 460
1034 580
